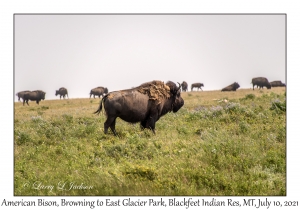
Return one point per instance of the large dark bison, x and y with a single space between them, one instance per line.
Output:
233 87
145 104
62 92
184 86
98 91
21 94
36 95
261 82
277 84
197 85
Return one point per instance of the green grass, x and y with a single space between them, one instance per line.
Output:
209 147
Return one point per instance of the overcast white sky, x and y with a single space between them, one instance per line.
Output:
81 52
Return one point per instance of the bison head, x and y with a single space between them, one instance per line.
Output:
236 85
43 95
177 100
268 85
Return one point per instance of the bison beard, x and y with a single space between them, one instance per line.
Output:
144 104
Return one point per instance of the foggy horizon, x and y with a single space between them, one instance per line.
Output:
81 52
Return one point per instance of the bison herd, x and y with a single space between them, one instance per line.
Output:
260 82
144 104
38 95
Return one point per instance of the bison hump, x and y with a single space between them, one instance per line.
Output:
156 90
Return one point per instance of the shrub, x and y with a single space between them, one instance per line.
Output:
140 172
278 106
250 96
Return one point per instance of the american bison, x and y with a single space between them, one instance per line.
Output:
197 85
145 104
277 84
62 92
184 86
36 95
233 87
261 82
98 91
21 94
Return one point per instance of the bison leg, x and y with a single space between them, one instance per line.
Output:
110 123
26 102
150 124
113 127
143 124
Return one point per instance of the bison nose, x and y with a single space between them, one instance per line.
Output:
181 102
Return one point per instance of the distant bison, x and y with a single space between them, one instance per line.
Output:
197 85
233 87
184 86
36 95
277 84
98 91
62 92
21 94
261 82
145 104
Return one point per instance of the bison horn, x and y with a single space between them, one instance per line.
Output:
179 86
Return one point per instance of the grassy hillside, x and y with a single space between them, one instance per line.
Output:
211 146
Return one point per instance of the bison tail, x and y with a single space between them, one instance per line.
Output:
99 109
100 106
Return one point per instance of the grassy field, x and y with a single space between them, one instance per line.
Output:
218 143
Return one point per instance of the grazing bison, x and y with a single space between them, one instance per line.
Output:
197 85
62 92
261 82
145 104
184 86
21 94
231 87
36 95
277 84
98 91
